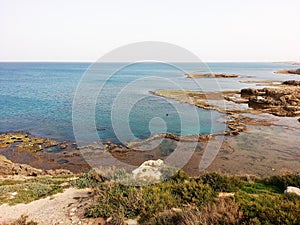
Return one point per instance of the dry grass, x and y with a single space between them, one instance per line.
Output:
221 211
23 221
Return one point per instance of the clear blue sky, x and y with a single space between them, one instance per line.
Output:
83 30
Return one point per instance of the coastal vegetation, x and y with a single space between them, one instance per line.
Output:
14 191
209 199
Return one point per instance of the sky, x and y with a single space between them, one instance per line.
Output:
84 30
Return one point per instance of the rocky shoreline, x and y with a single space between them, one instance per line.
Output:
212 75
246 117
9 168
295 71
40 154
256 146
282 100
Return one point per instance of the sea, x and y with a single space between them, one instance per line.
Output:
44 98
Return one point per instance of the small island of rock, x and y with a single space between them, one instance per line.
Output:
296 71
212 75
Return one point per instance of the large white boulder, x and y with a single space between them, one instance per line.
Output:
150 169
291 189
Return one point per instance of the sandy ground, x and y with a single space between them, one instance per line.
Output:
62 208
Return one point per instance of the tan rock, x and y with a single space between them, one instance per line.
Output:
8 167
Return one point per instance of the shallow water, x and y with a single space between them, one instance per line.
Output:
38 97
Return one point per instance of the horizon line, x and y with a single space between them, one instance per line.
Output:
87 61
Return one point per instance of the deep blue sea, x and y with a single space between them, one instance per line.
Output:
38 97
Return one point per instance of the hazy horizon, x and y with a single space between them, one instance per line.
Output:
81 61
215 30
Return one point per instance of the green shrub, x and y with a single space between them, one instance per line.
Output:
269 208
90 179
120 201
191 192
179 176
158 197
254 202
116 200
221 183
281 182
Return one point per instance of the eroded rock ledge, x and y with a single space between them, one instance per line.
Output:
296 71
212 75
281 101
8 167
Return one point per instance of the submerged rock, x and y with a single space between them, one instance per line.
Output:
211 75
63 145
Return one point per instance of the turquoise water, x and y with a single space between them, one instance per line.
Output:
38 97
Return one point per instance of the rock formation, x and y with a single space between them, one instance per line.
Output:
150 169
7 167
281 101
294 190
212 75
296 71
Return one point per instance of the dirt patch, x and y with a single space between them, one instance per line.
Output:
63 208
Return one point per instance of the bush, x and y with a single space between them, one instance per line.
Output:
121 201
254 202
116 200
269 208
90 179
180 176
281 182
221 183
191 192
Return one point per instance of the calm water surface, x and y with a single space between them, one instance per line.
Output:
38 97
